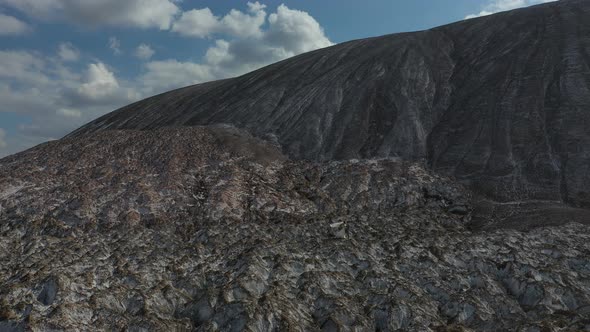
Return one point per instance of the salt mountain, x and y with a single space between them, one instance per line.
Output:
436 180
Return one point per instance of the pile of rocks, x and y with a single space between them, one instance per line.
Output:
208 228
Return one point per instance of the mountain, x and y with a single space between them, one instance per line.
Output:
500 101
426 181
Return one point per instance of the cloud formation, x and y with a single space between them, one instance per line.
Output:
99 86
67 112
67 52
165 75
58 92
115 45
11 26
54 98
22 67
497 6
203 23
144 52
255 39
131 13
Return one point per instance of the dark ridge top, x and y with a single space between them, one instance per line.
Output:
500 101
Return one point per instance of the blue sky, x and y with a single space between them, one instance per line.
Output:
66 62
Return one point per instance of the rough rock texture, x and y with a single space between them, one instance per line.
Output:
500 102
207 228
430 181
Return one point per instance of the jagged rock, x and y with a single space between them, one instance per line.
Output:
338 230
459 209
48 291
8 326
346 218
232 239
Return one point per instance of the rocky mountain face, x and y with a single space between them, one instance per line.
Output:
208 228
428 181
500 102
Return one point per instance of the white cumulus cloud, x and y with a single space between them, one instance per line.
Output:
67 112
196 23
100 82
169 74
54 98
246 45
22 67
67 52
144 52
296 31
99 86
12 26
132 13
203 23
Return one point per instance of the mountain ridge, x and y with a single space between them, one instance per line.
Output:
497 101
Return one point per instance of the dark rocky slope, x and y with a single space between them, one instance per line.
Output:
209 229
501 101
346 216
